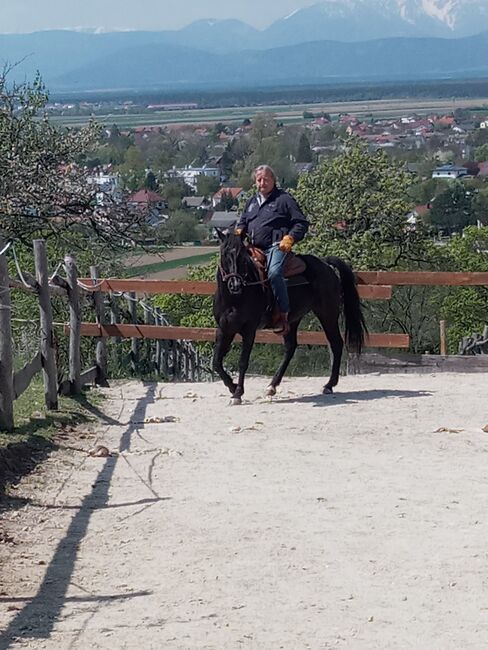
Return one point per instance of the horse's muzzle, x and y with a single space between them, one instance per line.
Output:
234 285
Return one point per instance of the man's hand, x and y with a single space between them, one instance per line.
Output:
238 231
286 243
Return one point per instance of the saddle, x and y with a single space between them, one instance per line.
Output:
293 269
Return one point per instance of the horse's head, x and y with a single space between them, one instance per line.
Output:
235 264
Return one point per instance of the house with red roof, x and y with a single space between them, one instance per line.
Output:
234 192
149 203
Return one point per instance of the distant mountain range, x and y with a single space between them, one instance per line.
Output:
335 40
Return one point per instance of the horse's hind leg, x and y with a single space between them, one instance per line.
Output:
334 336
290 341
223 342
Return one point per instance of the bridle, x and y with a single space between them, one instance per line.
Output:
234 280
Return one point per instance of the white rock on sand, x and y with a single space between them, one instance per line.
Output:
357 520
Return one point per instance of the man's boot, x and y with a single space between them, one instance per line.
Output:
281 324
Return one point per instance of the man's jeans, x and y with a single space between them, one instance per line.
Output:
275 261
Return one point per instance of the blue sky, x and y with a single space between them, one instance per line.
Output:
34 15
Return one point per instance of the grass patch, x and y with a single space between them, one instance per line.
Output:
168 265
34 424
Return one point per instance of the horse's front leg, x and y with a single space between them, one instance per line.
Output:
248 335
223 341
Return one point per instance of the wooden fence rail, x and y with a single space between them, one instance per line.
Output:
159 332
200 288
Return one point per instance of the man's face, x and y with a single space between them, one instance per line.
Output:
265 182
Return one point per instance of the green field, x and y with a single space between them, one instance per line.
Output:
156 267
287 113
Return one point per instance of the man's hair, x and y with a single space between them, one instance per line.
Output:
266 169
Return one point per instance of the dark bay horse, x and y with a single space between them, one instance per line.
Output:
242 305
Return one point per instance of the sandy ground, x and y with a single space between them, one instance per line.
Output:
357 520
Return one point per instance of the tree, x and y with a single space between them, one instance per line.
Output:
181 227
304 153
480 206
150 182
466 308
270 151
452 209
133 169
207 185
481 153
357 203
173 191
44 191
263 126
227 202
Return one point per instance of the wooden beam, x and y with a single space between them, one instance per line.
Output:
23 377
364 278
200 288
427 278
388 340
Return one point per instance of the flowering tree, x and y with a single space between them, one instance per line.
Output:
44 187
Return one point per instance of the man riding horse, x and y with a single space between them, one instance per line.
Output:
274 222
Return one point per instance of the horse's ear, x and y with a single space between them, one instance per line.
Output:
220 234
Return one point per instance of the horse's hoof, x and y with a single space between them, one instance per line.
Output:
236 401
270 391
327 390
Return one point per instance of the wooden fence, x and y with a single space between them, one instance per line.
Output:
172 347
372 285
175 359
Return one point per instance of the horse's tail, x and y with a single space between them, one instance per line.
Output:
356 329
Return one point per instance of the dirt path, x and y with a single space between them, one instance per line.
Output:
350 521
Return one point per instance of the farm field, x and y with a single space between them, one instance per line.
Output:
287 113
168 265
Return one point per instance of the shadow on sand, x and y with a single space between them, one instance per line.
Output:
41 611
352 397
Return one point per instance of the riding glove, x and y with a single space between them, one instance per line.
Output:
286 243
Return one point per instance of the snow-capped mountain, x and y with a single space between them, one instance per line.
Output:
354 20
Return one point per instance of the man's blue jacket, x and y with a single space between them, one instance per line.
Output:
277 216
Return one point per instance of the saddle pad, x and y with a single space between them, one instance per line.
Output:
294 265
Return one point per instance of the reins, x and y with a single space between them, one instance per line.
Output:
245 283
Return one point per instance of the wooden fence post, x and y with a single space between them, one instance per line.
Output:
101 346
116 349
6 357
159 347
74 325
48 353
148 348
114 314
134 346
442 331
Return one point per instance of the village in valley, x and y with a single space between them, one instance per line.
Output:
190 178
